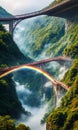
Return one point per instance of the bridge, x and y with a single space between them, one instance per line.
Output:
46 74
66 9
41 62
5 71
55 83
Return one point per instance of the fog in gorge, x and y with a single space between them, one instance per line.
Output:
36 112
40 97
23 39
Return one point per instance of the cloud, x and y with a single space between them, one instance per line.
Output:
23 6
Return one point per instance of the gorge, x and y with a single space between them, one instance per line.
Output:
40 38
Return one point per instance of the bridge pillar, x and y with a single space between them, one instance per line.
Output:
55 95
11 27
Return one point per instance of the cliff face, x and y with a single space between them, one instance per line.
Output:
9 103
67 113
9 55
40 33
65 117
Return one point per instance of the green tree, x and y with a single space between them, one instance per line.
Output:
22 127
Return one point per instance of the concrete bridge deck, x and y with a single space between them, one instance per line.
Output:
66 9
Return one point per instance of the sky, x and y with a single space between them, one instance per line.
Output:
23 6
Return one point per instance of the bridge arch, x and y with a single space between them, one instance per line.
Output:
30 68
46 74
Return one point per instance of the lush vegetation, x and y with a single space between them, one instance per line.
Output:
9 103
9 55
9 52
41 33
56 44
6 123
70 39
72 50
65 117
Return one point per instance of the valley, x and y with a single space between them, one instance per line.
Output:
28 96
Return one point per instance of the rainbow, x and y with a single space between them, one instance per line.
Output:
46 74
28 67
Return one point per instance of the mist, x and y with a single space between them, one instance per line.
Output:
34 121
37 112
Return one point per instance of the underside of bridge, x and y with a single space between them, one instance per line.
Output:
69 14
65 10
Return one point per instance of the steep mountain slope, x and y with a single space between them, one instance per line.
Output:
9 55
40 33
69 38
66 116
9 52
42 40
4 13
